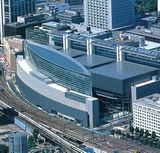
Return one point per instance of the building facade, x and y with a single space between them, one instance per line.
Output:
58 84
72 2
146 114
109 14
18 142
12 9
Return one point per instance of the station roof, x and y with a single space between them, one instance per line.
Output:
91 61
122 70
57 58
73 52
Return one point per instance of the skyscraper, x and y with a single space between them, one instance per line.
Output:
14 8
109 14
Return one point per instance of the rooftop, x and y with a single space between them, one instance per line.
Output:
122 70
151 101
57 58
91 61
73 52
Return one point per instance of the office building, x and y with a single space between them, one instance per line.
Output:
69 16
146 113
55 8
72 2
12 9
109 14
18 28
17 142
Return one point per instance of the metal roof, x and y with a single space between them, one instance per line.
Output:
122 70
73 52
140 51
57 58
90 61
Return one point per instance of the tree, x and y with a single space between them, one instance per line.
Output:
113 132
151 143
131 129
137 130
141 131
145 6
118 131
153 136
4 148
146 133
30 141
35 134
127 135
136 137
146 141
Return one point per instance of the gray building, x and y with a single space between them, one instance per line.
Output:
109 14
12 9
17 142
69 17
58 84
72 2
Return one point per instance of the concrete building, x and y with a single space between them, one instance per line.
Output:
17 142
72 2
58 84
146 113
12 9
13 46
69 16
18 28
55 8
158 5
109 14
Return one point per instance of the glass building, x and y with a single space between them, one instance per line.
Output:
62 69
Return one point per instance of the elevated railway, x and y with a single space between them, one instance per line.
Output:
91 138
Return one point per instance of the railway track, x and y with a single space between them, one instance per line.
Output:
94 139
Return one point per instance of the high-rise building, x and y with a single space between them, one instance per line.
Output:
109 14
14 8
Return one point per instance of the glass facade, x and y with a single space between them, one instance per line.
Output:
67 78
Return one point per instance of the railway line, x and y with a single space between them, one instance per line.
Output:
91 138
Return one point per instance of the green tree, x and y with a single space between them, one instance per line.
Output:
127 135
136 137
145 6
118 131
146 141
30 141
146 133
35 134
151 143
137 130
141 131
113 132
4 148
131 129
153 136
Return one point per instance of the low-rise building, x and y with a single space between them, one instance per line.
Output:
69 16
146 113
13 46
